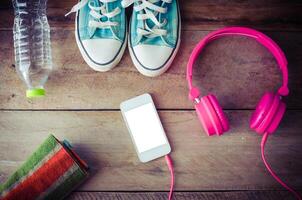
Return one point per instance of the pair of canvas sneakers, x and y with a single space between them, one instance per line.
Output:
153 35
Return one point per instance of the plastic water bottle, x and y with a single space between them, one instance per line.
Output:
32 45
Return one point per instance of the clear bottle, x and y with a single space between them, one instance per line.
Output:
32 45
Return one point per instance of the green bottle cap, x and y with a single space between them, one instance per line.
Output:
36 92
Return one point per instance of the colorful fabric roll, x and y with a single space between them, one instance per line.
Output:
51 172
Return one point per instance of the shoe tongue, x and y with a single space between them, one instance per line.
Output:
91 30
151 24
109 8
149 21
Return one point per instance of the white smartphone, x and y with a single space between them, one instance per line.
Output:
145 128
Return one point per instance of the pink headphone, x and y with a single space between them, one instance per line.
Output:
270 108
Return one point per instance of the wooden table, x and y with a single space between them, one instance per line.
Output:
83 106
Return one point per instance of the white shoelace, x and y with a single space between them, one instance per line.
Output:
97 13
150 11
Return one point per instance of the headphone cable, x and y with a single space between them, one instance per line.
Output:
171 169
268 167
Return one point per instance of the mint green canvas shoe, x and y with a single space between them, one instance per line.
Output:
101 32
154 34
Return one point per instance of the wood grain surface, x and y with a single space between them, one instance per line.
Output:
233 195
196 15
226 69
82 106
230 162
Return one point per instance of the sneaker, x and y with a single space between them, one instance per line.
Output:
154 34
101 32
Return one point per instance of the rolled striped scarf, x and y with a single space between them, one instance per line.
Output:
51 172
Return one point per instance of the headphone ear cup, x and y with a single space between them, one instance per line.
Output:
204 119
208 116
222 118
262 109
277 118
268 114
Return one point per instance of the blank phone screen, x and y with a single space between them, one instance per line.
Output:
145 127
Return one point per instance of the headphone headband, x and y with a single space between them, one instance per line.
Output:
260 37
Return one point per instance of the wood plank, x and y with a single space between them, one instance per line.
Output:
233 195
196 15
230 67
229 162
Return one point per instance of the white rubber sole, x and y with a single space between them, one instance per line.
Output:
154 73
93 65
